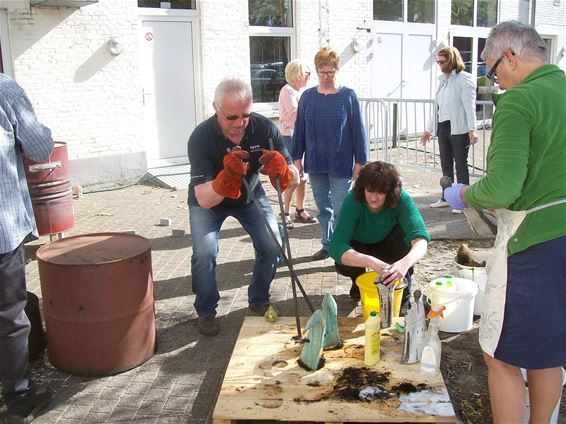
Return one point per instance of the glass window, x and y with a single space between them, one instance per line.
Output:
487 13
270 13
464 45
388 10
268 58
420 11
171 4
463 12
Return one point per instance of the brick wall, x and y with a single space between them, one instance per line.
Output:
225 46
90 98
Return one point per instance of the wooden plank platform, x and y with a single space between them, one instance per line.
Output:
264 381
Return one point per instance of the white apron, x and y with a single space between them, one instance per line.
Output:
491 321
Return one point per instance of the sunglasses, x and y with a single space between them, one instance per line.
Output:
234 117
491 74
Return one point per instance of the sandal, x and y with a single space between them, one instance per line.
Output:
299 217
288 223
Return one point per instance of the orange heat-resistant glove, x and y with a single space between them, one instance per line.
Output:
228 181
274 165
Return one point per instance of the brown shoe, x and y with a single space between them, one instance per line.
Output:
208 326
258 309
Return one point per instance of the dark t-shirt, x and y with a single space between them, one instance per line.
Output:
207 147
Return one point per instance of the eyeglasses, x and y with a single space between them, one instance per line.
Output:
326 73
441 62
491 74
234 117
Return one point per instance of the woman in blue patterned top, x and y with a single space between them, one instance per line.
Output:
329 134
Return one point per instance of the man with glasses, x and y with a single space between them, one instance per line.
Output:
232 145
523 322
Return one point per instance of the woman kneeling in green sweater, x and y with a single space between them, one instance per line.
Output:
379 228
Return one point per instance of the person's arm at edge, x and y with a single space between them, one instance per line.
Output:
468 98
359 136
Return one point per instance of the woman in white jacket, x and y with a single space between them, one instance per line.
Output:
455 116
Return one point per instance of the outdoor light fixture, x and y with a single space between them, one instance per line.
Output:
115 46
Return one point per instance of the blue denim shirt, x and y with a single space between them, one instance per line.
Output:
329 132
20 135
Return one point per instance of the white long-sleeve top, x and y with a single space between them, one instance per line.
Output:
455 102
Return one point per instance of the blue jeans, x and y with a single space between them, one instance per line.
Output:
453 150
205 230
328 192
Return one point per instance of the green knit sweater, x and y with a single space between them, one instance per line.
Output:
526 161
357 222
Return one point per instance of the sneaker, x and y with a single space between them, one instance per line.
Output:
320 255
29 408
439 204
355 292
208 326
258 309
457 211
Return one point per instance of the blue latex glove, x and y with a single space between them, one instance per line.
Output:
452 196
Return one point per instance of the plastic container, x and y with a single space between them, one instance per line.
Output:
430 359
477 275
370 297
372 339
458 295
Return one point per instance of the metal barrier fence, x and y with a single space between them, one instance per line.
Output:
394 127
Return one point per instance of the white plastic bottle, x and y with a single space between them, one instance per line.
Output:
430 359
372 339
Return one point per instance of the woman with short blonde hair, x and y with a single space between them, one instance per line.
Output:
297 74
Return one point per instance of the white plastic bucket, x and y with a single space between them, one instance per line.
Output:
479 276
458 295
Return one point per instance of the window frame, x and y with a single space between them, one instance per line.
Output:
475 16
406 14
271 109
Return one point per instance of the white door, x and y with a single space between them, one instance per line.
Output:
387 78
168 88
402 66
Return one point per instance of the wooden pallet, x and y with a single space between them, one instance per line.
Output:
264 382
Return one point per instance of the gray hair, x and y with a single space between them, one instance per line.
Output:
521 39
234 88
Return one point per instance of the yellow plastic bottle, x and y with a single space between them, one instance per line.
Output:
372 339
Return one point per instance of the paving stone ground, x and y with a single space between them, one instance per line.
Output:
180 383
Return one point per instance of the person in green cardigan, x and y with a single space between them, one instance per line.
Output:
379 228
523 324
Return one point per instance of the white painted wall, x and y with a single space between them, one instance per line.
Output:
88 97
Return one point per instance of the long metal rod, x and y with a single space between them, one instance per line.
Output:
294 278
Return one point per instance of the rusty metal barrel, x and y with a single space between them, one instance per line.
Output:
50 190
98 302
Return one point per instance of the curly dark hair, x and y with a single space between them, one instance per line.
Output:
381 177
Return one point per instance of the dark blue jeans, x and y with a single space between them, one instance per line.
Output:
453 151
205 231
14 327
